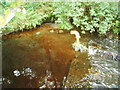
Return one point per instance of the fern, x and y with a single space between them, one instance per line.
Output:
30 20
90 17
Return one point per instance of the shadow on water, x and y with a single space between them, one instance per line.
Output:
44 58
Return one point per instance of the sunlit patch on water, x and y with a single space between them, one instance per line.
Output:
48 83
28 71
24 72
92 50
16 73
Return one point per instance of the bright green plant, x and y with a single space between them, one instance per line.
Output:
91 17
88 16
31 17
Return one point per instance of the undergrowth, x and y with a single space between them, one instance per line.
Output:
100 17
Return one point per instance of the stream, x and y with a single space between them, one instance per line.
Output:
104 60
44 58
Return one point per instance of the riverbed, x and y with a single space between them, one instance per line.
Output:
44 58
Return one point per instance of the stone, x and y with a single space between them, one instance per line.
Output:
48 52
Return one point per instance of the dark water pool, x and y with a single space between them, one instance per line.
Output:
44 58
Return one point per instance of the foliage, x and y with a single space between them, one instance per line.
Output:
88 16
27 20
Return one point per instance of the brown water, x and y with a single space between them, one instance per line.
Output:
44 58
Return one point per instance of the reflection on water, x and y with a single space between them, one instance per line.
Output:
44 58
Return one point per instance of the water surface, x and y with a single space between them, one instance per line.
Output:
44 58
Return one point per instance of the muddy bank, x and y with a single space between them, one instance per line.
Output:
37 58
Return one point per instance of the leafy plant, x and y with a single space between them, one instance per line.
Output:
27 20
88 16
98 17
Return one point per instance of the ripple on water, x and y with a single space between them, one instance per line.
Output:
105 63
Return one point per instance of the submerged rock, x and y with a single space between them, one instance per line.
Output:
46 52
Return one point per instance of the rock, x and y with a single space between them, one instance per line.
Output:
47 52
